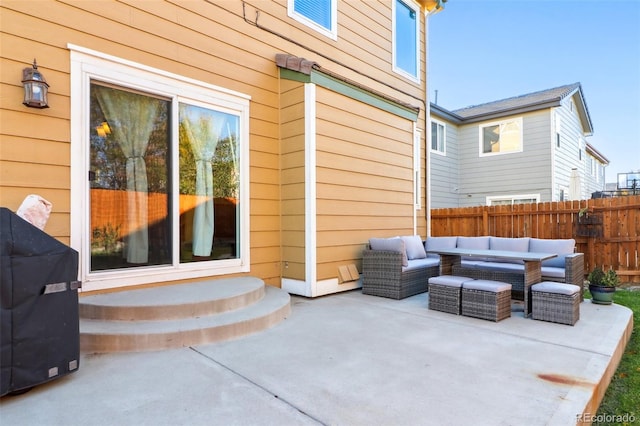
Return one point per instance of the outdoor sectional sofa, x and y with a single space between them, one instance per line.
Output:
397 268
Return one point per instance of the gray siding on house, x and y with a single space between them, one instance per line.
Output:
594 180
571 153
541 171
519 173
444 170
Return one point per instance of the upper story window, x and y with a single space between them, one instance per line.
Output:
321 15
406 39
501 137
438 137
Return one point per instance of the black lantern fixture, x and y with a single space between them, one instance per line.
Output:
35 87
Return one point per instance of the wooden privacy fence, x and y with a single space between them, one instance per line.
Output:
606 230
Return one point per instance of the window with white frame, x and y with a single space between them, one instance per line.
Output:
513 199
438 137
501 137
406 39
320 15
167 161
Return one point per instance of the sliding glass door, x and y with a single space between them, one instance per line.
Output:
161 167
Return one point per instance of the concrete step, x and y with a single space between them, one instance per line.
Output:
179 315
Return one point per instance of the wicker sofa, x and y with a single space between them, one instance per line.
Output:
567 267
397 267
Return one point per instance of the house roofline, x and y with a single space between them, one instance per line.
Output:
511 111
550 102
598 155
445 113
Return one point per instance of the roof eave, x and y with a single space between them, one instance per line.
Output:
595 153
445 114
511 111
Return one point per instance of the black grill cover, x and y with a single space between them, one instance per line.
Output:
39 325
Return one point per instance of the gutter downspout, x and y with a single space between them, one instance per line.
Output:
427 117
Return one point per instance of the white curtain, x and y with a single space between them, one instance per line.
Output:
131 118
203 132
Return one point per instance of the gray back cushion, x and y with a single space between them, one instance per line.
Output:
437 243
390 244
559 247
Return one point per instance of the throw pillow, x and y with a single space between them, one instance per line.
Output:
415 249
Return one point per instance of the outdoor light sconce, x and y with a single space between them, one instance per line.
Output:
35 87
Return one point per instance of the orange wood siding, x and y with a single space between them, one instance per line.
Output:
211 41
292 108
364 179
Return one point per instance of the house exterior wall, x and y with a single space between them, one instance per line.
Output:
292 134
509 174
364 181
594 175
216 43
554 148
445 172
571 152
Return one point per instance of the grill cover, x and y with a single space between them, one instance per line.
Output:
39 325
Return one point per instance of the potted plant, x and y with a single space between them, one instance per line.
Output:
602 285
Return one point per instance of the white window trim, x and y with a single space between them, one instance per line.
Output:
495 123
490 199
416 8
332 33
444 138
87 64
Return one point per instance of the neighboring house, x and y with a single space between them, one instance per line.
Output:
189 140
529 148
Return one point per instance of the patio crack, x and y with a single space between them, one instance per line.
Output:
258 385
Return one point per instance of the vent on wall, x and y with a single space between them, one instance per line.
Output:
348 273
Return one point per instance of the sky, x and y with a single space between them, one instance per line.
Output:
486 50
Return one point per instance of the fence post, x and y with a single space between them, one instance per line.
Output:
485 221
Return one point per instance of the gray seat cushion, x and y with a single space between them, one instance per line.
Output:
420 263
486 285
556 288
449 280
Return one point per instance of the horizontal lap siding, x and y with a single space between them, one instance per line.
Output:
364 179
444 172
194 39
206 41
292 109
526 172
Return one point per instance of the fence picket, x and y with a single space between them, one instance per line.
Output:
609 235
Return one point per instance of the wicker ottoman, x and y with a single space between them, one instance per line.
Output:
555 302
485 299
444 293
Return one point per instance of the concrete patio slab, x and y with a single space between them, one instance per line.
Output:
350 359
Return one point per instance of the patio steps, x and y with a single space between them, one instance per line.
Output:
179 315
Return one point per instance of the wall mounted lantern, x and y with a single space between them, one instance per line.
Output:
35 87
